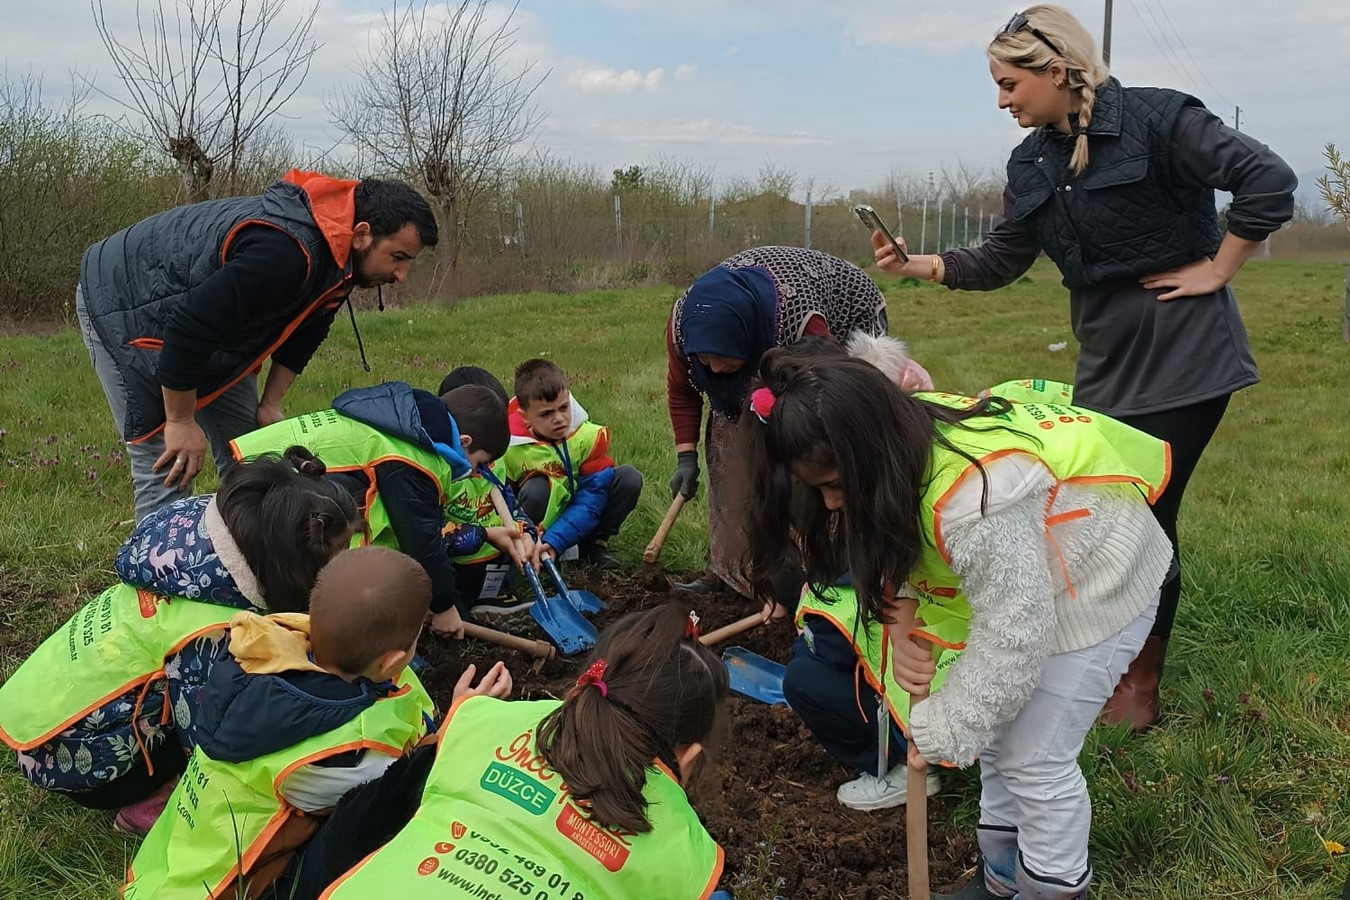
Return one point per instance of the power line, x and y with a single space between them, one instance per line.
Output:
1148 7
1161 52
1218 93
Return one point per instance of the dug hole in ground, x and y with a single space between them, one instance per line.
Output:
767 794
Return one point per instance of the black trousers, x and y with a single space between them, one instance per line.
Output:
624 492
820 686
1188 429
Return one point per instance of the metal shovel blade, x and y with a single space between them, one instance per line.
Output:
754 676
584 601
565 627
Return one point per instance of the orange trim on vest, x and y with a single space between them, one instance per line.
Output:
328 891
229 239
257 363
934 639
940 542
128 686
287 812
866 673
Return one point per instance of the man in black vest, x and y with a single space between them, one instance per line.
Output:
180 310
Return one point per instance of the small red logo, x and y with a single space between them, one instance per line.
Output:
428 865
591 838
1047 424
457 830
444 847
1085 418
148 602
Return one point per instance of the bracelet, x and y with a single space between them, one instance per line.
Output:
934 275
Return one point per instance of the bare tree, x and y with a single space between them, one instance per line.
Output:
206 75
439 102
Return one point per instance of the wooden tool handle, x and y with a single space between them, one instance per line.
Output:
730 631
540 649
916 815
503 511
653 550
499 504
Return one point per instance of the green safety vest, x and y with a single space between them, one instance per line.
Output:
468 502
346 445
221 817
496 821
1033 390
524 461
117 643
1077 445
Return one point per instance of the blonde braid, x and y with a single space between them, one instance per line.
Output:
1087 95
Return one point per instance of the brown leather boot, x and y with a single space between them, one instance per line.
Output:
1135 700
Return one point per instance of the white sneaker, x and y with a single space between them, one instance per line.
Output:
870 792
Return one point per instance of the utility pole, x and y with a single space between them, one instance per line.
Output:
1106 36
1237 118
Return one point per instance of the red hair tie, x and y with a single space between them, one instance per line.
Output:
595 675
762 401
691 626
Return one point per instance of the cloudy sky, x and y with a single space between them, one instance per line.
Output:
839 91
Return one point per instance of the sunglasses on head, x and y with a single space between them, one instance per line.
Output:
1020 21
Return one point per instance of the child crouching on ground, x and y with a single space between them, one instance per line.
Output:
297 711
579 797
559 463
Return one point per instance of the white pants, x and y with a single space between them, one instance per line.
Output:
1029 773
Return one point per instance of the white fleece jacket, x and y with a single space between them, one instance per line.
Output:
1023 609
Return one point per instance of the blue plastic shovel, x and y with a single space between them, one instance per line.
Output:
753 676
750 674
565 627
584 601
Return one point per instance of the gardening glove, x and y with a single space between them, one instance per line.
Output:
685 479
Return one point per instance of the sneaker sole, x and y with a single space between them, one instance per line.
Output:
129 830
931 788
513 618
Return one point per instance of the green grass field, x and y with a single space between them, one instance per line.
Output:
1244 793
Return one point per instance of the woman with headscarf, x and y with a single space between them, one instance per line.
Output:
761 298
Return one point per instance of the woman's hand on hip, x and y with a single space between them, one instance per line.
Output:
1195 279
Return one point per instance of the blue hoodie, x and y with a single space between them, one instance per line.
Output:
411 499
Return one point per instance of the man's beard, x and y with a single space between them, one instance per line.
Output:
359 276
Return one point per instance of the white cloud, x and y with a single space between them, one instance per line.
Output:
702 131
684 73
604 79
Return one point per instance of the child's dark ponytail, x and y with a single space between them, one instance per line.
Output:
304 462
286 520
650 688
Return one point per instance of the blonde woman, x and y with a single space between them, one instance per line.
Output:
1116 185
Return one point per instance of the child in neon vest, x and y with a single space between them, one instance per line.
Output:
475 536
397 449
571 799
1033 518
119 682
299 710
560 466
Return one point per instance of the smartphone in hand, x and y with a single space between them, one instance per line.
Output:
873 222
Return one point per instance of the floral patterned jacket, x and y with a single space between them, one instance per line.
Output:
182 550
